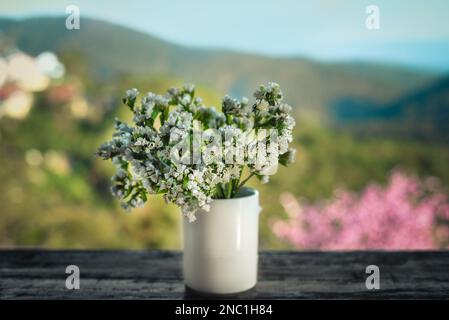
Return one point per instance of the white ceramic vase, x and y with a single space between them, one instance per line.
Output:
221 246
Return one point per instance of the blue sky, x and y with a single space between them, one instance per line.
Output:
411 32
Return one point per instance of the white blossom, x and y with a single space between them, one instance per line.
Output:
131 93
264 179
145 154
263 106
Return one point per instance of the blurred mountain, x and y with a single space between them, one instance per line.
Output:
54 193
103 51
420 114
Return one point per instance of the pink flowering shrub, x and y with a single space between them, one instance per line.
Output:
408 213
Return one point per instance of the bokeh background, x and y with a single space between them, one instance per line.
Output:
372 111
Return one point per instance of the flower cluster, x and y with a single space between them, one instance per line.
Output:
406 214
175 147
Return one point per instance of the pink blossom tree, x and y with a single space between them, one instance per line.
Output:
406 214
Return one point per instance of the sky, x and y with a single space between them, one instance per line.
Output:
413 32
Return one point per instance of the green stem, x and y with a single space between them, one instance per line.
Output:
228 119
229 190
235 187
219 191
245 181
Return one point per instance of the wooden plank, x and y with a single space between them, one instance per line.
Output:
40 274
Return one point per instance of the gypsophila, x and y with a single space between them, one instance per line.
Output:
192 154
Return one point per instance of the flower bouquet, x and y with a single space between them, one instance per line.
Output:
200 158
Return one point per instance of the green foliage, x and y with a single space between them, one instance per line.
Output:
327 160
72 207
421 114
74 210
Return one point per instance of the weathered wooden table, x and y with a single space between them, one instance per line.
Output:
40 274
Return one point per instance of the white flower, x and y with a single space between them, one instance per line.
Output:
141 142
131 93
285 108
189 87
283 144
264 179
148 162
186 99
263 106
289 122
273 87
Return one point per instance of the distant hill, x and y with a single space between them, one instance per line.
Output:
109 50
55 193
420 114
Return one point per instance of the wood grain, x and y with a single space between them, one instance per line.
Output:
40 274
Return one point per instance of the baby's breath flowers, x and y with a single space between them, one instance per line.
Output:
192 154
